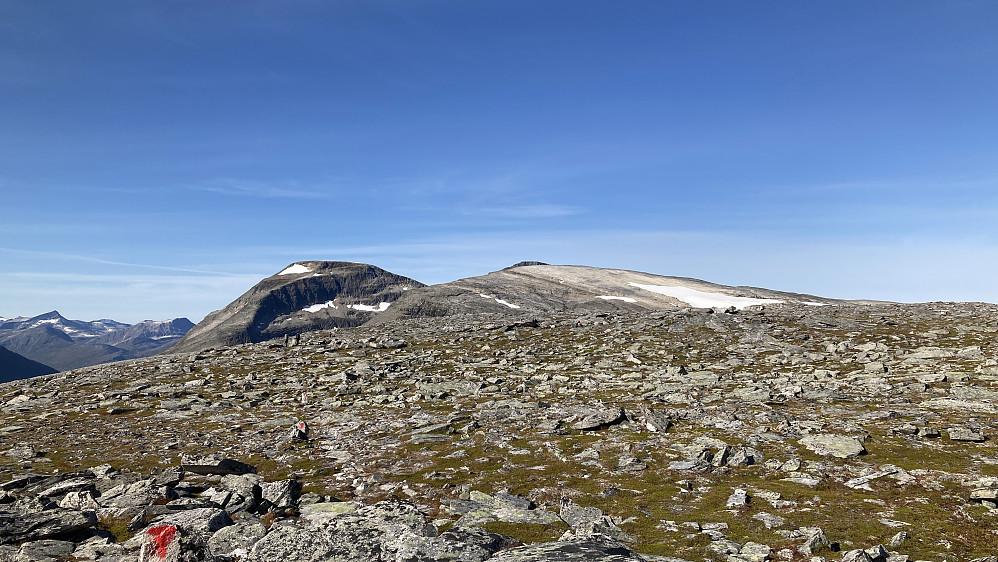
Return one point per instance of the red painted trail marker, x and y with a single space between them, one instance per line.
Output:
161 538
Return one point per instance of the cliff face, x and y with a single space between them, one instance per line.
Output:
303 297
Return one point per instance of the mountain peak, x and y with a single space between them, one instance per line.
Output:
304 296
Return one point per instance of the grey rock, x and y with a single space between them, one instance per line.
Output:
318 513
236 539
282 494
965 434
984 494
595 548
44 551
205 520
756 552
22 451
16 528
388 530
588 521
598 415
898 539
134 494
738 498
815 537
769 520
857 555
839 446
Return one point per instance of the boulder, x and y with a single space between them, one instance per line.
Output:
829 445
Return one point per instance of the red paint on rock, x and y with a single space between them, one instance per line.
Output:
162 537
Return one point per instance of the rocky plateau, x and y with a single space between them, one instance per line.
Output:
569 427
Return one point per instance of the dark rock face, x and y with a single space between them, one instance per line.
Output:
305 296
14 366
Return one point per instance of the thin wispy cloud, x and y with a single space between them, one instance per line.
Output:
240 188
101 261
542 211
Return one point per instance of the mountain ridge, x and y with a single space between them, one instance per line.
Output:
64 344
14 366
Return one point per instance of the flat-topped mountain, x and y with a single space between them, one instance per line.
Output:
66 344
303 297
533 287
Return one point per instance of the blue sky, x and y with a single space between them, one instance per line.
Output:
158 158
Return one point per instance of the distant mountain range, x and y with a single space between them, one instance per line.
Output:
315 295
64 344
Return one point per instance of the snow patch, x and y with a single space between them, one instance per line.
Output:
609 298
498 300
703 299
318 307
370 308
294 269
809 303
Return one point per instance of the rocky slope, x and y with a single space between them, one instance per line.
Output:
786 432
67 344
305 296
533 287
14 366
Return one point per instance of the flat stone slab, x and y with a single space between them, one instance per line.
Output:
830 445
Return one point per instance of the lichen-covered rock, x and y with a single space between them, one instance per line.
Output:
236 540
387 530
839 446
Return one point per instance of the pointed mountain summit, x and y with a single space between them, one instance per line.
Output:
305 296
